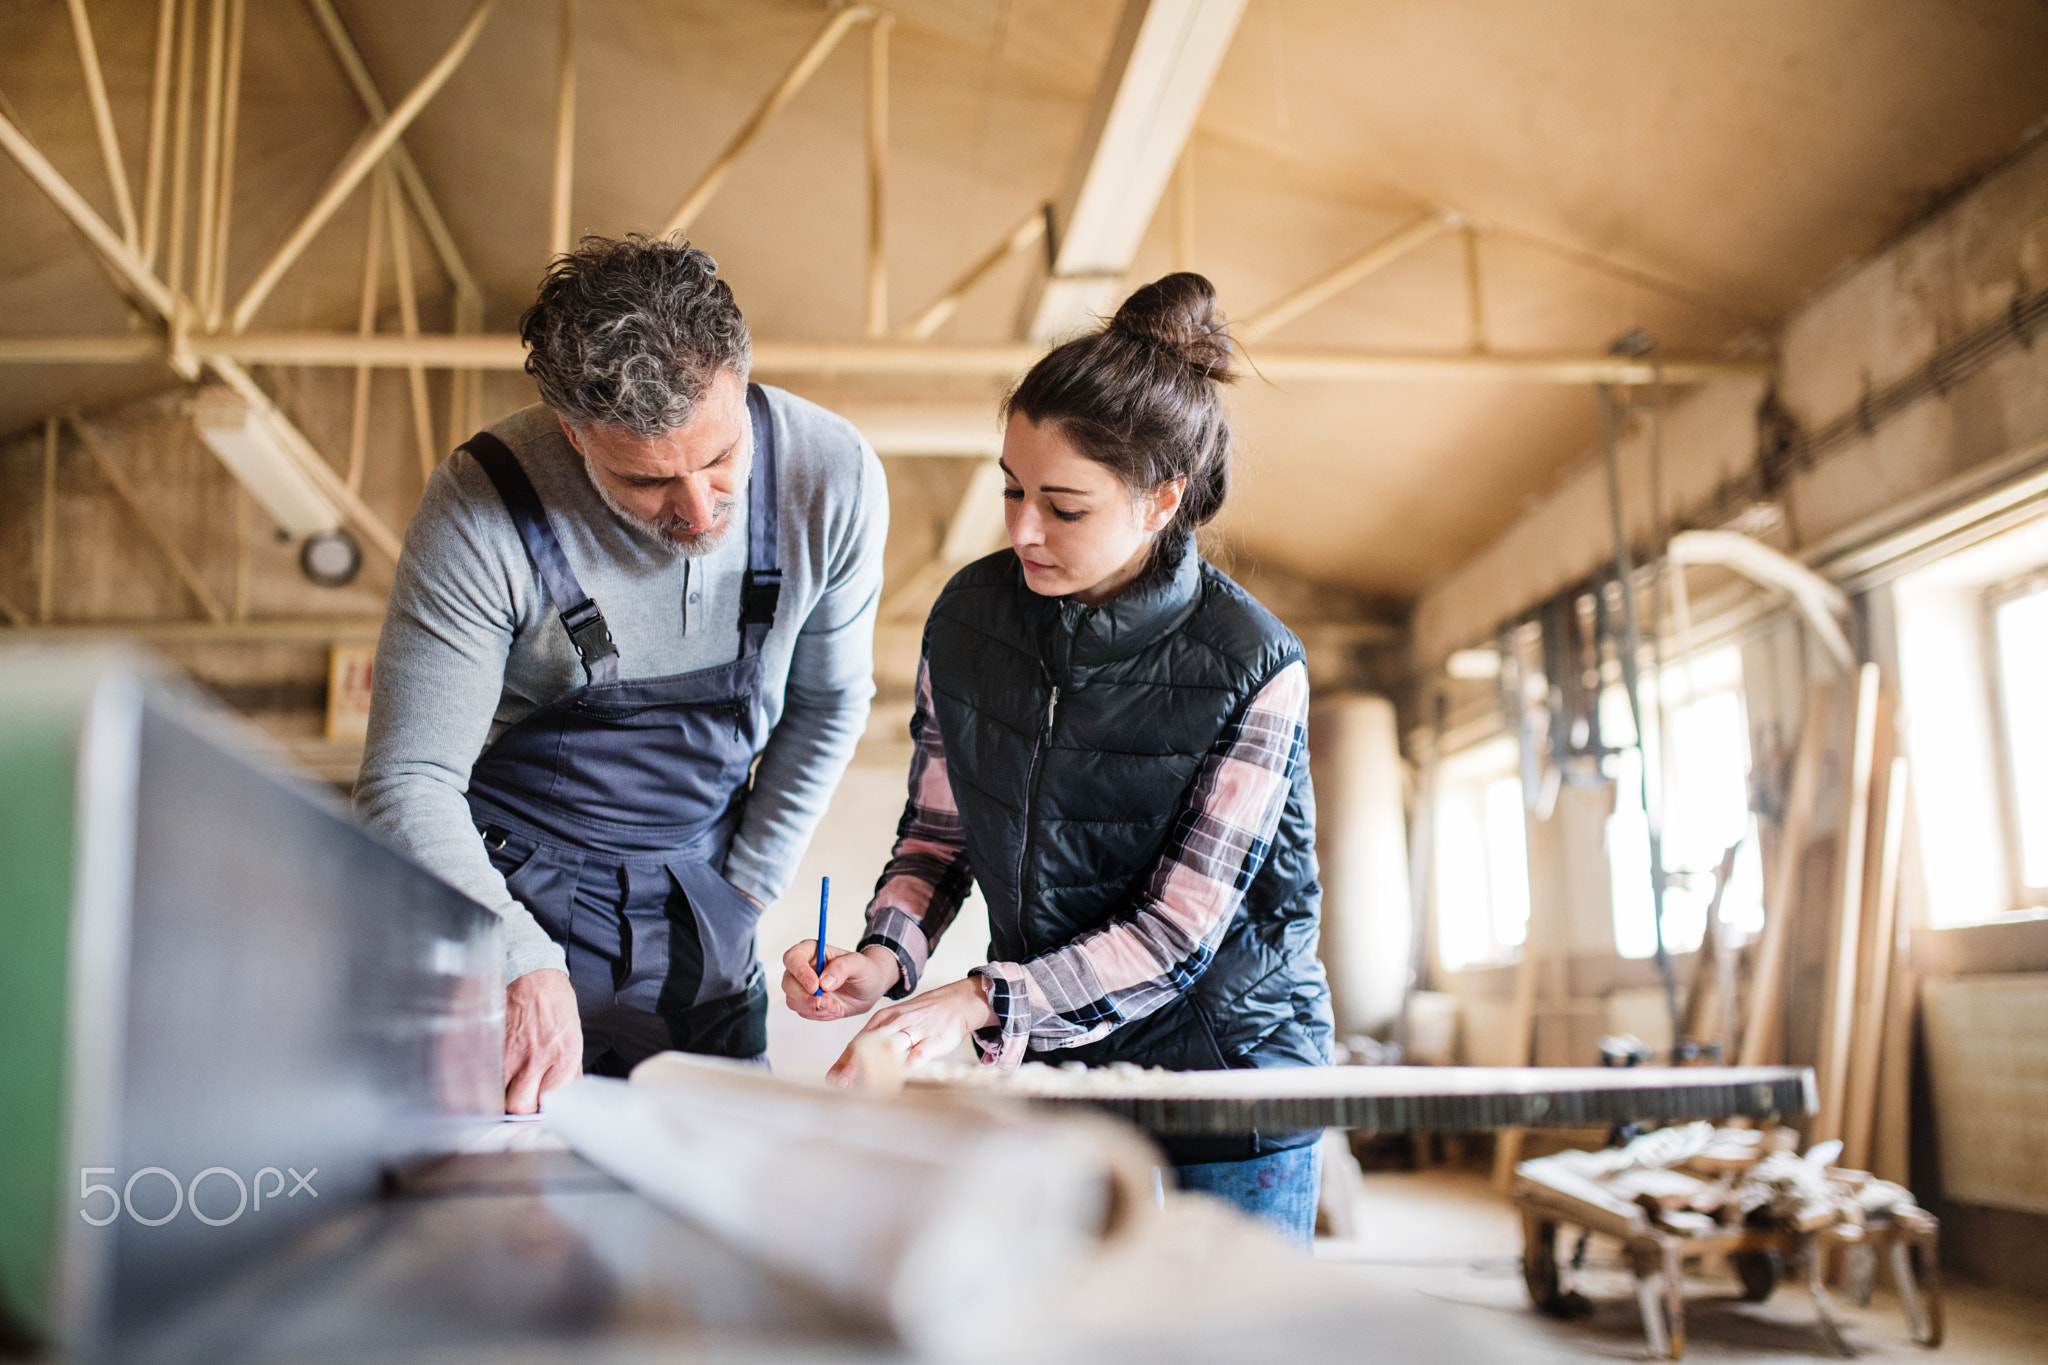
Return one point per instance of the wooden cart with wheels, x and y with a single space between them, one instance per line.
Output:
1758 1256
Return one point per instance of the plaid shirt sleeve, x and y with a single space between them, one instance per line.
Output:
927 876
1087 989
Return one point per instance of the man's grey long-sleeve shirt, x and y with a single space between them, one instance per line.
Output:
471 643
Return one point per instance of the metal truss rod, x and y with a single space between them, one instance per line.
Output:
409 323
148 523
159 110
1328 285
168 306
103 124
877 292
1029 230
52 183
1475 294
565 133
358 164
1184 209
209 157
224 182
409 176
181 148
366 325
793 80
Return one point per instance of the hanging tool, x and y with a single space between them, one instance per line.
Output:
1630 651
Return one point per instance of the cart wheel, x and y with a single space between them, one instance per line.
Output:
1759 1272
1539 1263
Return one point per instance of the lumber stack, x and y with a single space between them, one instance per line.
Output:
1861 1052
1682 1193
1698 1178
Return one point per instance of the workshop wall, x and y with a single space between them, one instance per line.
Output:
1966 266
1956 271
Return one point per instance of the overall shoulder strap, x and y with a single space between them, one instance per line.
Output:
762 588
580 616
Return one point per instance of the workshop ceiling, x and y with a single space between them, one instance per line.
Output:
1741 152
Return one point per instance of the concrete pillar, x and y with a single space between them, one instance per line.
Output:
1362 844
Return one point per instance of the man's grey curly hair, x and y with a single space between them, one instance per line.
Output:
630 333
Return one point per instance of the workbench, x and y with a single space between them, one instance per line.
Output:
1391 1098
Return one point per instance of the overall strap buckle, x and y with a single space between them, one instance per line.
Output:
759 593
583 621
590 635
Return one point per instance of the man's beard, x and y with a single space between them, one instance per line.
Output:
671 533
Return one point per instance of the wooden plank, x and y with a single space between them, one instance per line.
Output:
1156 75
1708 964
1761 1031
1874 1013
1507 1144
1838 1025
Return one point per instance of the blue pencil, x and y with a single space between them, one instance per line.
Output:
824 903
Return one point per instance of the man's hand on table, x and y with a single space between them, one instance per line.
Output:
543 1038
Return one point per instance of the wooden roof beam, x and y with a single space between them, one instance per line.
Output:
830 359
1161 63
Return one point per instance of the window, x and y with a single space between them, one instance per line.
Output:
1482 857
2019 631
1705 795
1972 630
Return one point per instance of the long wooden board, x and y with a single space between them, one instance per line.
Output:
1396 1098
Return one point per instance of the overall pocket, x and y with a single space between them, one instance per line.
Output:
541 882
725 922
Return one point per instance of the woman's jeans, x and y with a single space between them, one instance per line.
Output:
1282 1188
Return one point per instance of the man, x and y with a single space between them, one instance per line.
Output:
609 607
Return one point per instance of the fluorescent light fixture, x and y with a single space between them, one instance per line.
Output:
262 463
1473 665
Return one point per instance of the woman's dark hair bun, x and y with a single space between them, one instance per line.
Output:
1178 314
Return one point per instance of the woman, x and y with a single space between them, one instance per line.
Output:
1110 742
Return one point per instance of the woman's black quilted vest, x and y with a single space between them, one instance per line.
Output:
1072 734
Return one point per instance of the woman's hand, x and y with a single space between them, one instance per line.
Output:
853 981
927 1025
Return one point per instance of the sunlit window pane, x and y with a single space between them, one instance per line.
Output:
1628 860
1705 811
2023 681
1463 912
1507 861
1482 868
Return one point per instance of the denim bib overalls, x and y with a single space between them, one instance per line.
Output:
609 810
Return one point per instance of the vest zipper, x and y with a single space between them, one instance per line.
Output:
1052 707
